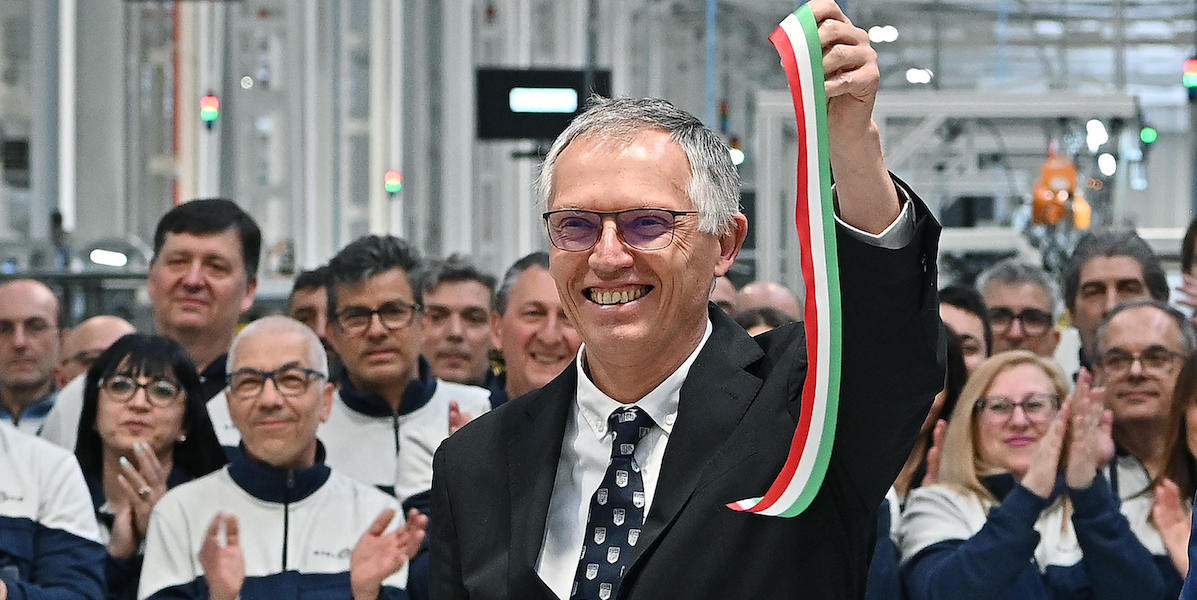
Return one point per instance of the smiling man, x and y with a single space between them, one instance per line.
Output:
277 522
612 481
530 328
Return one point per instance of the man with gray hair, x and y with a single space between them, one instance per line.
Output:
1024 303
1141 345
1106 268
613 480
277 521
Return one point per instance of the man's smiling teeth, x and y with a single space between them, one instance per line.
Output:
607 297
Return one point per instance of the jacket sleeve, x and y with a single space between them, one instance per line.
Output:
986 565
892 355
444 573
168 570
67 560
1117 564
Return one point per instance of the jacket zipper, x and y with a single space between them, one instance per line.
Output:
287 513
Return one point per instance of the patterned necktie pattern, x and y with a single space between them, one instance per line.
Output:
616 511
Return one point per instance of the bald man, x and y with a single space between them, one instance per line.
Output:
29 342
84 343
768 293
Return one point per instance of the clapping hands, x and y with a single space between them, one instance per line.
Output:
1083 426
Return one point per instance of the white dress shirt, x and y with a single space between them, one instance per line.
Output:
586 447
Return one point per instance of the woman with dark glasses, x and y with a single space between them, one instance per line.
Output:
143 429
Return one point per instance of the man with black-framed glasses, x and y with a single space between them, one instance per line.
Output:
277 521
1141 345
390 411
1024 303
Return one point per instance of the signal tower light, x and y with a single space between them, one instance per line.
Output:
209 109
393 181
1190 76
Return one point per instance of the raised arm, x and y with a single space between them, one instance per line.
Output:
867 198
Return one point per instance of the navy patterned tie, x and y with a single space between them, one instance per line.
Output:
616 511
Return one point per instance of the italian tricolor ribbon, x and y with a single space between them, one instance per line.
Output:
797 41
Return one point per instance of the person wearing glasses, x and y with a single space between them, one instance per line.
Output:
670 410
1024 303
1141 345
1021 509
202 278
277 522
143 429
390 411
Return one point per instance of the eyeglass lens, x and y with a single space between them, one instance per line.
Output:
641 228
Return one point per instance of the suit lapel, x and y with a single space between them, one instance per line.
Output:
713 400
534 448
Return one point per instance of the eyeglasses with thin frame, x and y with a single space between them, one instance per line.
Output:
1039 407
289 381
355 320
159 391
1035 322
575 230
1117 361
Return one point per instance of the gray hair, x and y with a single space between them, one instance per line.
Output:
1012 272
275 324
1188 336
714 186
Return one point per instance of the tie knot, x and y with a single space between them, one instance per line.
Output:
629 424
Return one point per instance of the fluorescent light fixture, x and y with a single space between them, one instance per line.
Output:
1107 164
543 100
108 258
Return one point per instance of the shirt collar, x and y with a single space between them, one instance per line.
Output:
661 403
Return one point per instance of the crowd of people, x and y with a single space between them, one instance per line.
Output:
419 428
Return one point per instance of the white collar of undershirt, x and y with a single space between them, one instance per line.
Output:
661 403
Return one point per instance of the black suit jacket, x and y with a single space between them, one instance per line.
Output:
738 408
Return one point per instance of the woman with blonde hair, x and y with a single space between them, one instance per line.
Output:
1020 509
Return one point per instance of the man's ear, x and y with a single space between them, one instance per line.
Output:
730 244
326 401
495 339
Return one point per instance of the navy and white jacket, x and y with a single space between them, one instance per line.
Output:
297 529
955 545
49 540
392 450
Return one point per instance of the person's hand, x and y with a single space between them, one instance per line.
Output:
457 417
868 199
123 541
1174 522
223 563
935 452
143 484
378 554
1090 442
1188 294
851 74
3 590
1040 477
